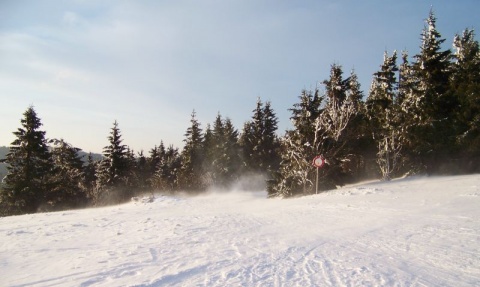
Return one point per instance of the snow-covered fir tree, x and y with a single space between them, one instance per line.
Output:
223 161
192 177
383 111
157 153
259 141
167 171
69 189
90 177
298 148
142 173
466 88
430 106
29 165
335 136
319 130
113 171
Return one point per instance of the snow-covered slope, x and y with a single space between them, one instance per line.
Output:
409 232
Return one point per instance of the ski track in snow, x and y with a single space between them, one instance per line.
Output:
409 232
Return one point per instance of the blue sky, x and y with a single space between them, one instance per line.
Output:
148 64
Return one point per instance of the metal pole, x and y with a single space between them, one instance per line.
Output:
316 183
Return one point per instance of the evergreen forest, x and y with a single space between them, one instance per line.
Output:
421 115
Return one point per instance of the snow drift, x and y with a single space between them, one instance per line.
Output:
410 232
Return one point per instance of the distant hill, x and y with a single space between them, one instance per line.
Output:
4 151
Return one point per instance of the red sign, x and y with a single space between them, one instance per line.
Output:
318 161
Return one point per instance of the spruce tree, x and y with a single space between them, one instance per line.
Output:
465 84
359 141
192 176
216 147
383 112
232 156
90 178
294 175
29 164
259 141
113 171
270 142
430 107
251 140
167 173
68 177
333 130
320 129
142 173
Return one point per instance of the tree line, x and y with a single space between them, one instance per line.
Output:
421 116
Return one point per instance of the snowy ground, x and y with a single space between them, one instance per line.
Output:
410 232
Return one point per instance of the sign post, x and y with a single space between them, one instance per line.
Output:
318 162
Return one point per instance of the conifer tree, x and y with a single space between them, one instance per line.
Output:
29 164
333 132
113 171
259 141
359 141
132 176
191 176
217 157
429 108
90 178
270 142
232 156
68 177
383 112
465 84
168 169
320 130
294 175
222 158
142 172
251 140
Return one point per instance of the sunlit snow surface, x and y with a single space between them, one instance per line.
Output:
409 232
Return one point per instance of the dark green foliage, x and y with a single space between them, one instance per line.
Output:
114 170
29 164
336 136
465 85
165 177
421 116
222 153
90 177
259 141
384 114
322 128
191 175
298 148
430 105
141 173
68 178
